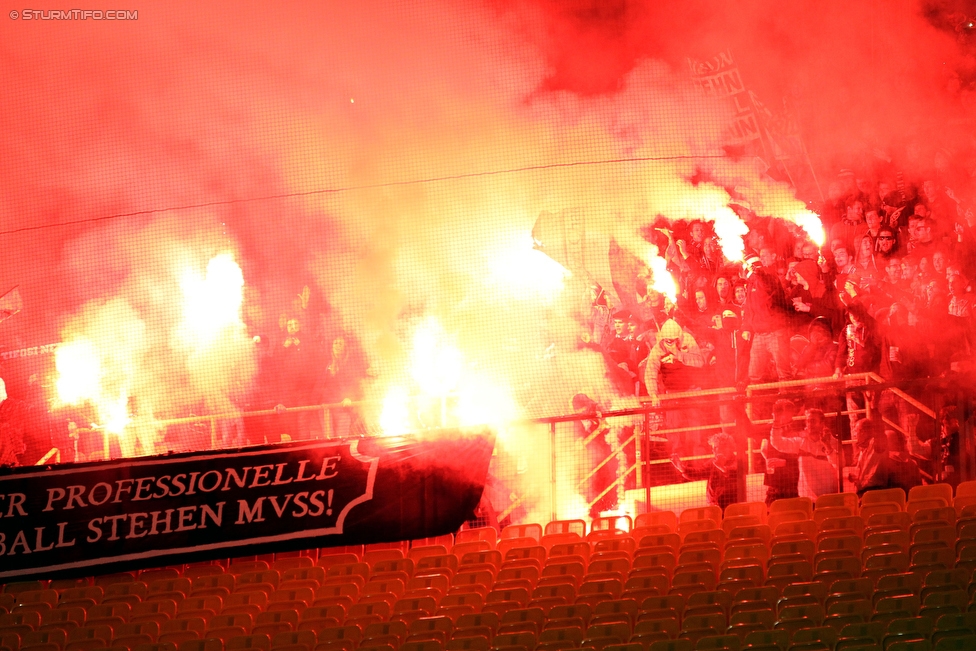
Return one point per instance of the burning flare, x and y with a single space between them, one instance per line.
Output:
79 369
212 301
435 363
662 281
104 361
521 267
446 390
811 225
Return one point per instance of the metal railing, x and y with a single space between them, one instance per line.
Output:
645 433
748 395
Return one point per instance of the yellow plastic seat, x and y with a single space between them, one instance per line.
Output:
478 534
659 518
891 495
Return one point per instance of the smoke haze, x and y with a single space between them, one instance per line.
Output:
394 157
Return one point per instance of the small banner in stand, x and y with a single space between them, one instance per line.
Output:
83 519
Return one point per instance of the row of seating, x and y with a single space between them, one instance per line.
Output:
702 576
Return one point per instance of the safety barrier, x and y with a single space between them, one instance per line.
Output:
647 429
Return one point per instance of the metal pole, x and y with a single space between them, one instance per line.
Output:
937 442
552 471
644 468
841 453
965 436
867 401
742 466
750 452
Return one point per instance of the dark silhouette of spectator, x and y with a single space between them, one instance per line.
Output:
721 471
818 356
592 436
871 457
782 466
12 429
858 351
903 472
851 226
765 323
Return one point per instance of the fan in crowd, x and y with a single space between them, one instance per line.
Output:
895 268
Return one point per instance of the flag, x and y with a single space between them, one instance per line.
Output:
10 304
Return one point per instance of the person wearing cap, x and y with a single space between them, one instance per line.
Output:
670 359
765 322
674 364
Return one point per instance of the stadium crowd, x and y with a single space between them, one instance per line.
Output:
888 293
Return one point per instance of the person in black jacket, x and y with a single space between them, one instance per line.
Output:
858 351
782 468
859 348
766 323
903 471
721 471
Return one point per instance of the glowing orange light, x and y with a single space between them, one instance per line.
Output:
519 268
662 281
811 224
212 301
115 415
435 363
395 416
79 372
730 230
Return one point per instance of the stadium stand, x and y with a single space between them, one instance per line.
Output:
888 572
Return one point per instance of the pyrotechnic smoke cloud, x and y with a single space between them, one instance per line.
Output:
170 334
239 103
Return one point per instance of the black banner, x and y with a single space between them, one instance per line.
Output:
85 518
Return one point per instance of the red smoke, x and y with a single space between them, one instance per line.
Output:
231 107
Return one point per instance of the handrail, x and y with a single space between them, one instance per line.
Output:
644 400
763 386
53 452
907 398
